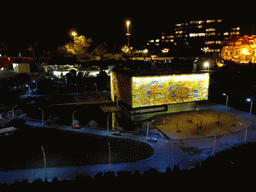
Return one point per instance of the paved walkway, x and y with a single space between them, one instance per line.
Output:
213 121
168 152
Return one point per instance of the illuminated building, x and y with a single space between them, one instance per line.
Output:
240 49
146 93
194 35
189 36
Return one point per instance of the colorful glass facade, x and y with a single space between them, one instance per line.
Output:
159 90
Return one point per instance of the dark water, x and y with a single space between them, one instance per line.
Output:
22 149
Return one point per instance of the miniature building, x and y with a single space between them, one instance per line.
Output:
240 49
144 94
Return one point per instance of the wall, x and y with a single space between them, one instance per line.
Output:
21 67
169 89
174 108
121 88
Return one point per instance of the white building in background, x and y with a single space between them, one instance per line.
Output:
21 67
62 70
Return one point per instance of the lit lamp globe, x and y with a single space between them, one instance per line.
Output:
206 65
74 33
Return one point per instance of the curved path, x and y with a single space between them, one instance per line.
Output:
167 152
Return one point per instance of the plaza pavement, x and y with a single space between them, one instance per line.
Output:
175 150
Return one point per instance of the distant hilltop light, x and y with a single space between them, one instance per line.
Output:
240 49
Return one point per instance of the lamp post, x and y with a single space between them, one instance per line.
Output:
96 87
42 116
44 163
73 117
128 34
148 128
108 122
13 111
226 99
250 100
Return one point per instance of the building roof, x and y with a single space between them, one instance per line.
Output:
152 70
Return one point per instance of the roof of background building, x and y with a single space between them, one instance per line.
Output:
145 69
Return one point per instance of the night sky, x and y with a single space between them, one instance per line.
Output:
50 23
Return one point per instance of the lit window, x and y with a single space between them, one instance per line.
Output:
178 35
217 42
217 50
15 65
169 37
151 41
226 33
157 40
235 28
196 22
219 20
178 24
197 34
209 42
210 34
210 29
210 21
234 33
157 44
170 40
163 37
199 26
178 32
148 43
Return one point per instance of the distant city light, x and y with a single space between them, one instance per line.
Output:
145 51
205 49
165 50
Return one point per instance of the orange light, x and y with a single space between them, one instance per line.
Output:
244 51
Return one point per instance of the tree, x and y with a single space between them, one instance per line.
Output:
100 50
78 48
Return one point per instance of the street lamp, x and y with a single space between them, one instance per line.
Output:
128 34
108 122
250 100
73 116
206 64
226 99
13 111
96 87
148 128
44 163
74 33
42 116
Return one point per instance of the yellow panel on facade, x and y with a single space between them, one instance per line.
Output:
169 89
